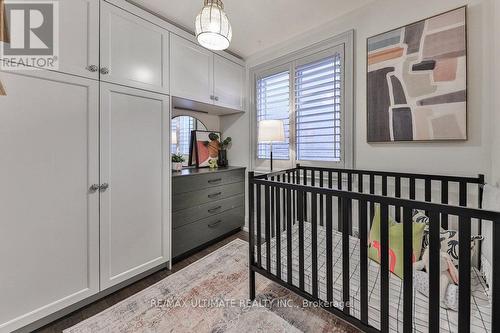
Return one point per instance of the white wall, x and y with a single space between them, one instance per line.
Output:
211 122
496 93
460 158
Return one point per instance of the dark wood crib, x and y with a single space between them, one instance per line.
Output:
297 217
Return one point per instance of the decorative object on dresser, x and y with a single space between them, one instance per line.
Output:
417 81
206 205
271 131
177 160
205 147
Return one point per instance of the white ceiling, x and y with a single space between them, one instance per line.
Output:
258 24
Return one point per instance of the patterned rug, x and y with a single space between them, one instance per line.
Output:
210 295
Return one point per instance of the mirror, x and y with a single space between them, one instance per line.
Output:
181 134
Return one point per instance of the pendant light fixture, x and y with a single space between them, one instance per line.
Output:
213 29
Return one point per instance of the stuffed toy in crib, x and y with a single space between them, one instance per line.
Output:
449 273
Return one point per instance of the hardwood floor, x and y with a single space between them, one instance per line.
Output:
108 301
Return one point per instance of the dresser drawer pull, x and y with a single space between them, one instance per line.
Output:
214 209
211 181
214 195
213 225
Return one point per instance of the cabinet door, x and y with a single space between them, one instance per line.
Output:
134 162
79 37
49 229
229 80
191 68
134 52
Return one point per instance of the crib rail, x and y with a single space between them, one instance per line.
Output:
286 194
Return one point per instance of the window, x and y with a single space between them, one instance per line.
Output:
273 102
311 91
318 87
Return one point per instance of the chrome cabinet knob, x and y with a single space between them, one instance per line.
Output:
216 98
92 68
104 187
94 187
104 70
212 97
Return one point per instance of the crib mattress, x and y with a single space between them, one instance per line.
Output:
480 306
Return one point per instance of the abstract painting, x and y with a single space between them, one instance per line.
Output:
417 81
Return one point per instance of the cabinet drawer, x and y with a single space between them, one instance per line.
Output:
189 215
197 182
193 199
195 234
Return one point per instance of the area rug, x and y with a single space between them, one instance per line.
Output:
211 295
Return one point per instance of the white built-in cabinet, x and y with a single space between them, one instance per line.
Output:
85 162
191 71
79 38
134 52
229 79
199 75
134 164
49 230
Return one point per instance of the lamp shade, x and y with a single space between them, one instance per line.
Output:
212 26
271 131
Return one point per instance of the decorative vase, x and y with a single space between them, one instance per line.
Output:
177 166
222 161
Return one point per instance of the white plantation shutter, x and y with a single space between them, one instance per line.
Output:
318 88
273 102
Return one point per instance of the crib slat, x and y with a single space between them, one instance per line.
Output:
339 203
346 204
412 188
434 272
384 185
305 195
363 259
464 232
349 217
407 270
372 191
278 231
300 216
259 226
289 236
267 229
495 292
397 194
321 201
329 249
251 237
314 243
360 182
444 200
272 210
463 194
428 191
384 268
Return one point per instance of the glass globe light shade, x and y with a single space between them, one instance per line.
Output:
213 29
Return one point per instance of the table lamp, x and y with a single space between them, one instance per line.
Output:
271 131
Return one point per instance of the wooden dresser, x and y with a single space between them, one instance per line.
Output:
206 204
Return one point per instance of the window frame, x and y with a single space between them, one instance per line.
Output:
342 43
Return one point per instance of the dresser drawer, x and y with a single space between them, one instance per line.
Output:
200 232
189 215
193 199
203 181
